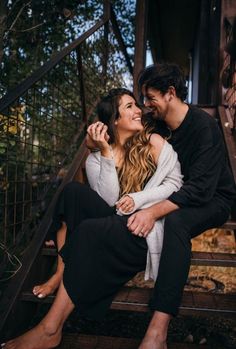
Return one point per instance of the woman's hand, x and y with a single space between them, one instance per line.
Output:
89 142
125 204
97 134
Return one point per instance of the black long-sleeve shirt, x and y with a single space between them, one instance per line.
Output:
200 147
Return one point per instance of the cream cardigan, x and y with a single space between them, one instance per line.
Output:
102 177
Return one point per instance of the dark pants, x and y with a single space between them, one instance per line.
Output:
101 254
180 227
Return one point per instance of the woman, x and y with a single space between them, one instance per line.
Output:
101 254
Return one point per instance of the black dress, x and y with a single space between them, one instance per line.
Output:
100 253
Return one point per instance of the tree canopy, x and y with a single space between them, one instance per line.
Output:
31 30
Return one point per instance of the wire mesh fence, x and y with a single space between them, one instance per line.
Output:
41 130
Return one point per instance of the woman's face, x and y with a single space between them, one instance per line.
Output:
129 116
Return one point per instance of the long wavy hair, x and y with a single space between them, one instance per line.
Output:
138 164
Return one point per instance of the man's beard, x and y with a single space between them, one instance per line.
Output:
157 116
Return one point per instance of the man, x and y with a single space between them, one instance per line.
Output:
203 202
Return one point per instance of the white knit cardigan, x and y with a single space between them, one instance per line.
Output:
102 177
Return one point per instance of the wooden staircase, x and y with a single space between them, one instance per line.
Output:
17 318
194 303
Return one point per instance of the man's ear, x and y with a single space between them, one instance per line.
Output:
171 93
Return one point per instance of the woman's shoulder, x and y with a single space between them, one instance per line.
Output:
157 143
156 140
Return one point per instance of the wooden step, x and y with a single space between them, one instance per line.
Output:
76 341
214 259
136 299
229 225
198 258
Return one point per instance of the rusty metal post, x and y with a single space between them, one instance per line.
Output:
140 40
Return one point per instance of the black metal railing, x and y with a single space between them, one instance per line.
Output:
42 123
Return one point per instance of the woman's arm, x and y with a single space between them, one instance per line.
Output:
100 166
102 177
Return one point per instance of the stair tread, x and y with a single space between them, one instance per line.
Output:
76 341
214 259
198 258
136 299
230 224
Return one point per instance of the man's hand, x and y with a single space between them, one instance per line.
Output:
141 222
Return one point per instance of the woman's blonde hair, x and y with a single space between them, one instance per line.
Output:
139 164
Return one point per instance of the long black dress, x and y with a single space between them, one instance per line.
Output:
100 253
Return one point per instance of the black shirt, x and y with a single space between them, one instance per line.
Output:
200 147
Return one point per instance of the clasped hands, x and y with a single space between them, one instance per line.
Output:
139 223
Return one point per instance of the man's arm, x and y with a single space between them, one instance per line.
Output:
141 222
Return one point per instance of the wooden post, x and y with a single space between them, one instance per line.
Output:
140 40
209 39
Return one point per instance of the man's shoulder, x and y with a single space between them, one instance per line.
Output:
201 118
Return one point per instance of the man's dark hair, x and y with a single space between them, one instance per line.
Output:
161 76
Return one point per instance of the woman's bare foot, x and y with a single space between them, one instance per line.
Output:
40 337
49 287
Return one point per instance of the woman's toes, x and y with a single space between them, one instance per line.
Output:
41 295
50 243
36 290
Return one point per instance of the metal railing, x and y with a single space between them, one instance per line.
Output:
42 123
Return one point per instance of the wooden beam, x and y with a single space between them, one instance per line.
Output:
140 40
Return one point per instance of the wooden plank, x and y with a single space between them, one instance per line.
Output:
76 341
198 258
140 41
214 259
230 224
136 299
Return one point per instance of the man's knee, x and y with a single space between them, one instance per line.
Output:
176 230
174 221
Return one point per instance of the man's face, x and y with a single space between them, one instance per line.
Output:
157 102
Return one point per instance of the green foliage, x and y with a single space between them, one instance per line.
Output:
33 30
41 131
